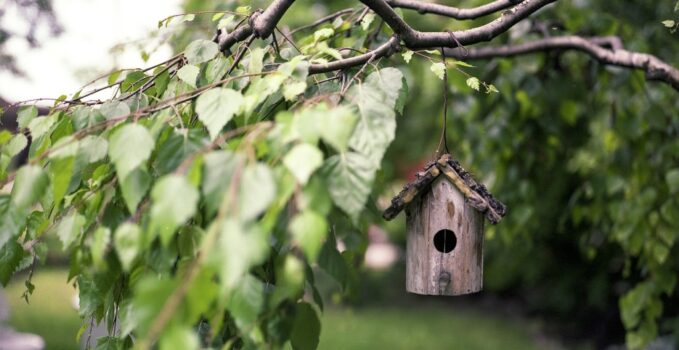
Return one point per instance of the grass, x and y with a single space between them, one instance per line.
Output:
429 326
50 313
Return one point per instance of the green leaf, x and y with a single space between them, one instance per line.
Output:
247 302
92 148
315 196
129 147
217 177
291 90
473 83
463 64
150 296
407 56
89 149
29 186
113 77
439 69
217 16
200 51
132 82
66 147
260 89
227 23
178 146
297 68
40 126
84 117
307 124
332 261
306 329
127 240
289 280
302 161
90 294
323 34
179 337
632 303
367 19
243 10
134 187
174 202
60 99
11 255
100 241
5 136
376 100
15 145
257 190
60 172
114 109
238 249
26 115
216 69
161 82
216 107
490 88
672 179
349 177
189 17
309 230
109 343
256 63
70 229
338 124
188 74
660 252
12 221
202 293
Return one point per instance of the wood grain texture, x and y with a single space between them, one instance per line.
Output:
429 271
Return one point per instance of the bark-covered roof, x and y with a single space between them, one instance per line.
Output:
476 194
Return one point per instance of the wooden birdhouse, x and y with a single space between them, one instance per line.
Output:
445 208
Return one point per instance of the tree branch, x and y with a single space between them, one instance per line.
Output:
383 50
261 24
322 20
415 39
615 55
453 12
607 50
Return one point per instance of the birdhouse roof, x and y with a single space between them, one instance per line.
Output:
475 193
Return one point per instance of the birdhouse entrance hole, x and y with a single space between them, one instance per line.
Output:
445 241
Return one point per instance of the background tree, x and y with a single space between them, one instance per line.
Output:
275 148
35 13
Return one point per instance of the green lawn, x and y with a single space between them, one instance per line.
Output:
429 326
50 312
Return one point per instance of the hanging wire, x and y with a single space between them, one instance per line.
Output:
443 141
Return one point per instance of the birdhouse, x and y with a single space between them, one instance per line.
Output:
445 209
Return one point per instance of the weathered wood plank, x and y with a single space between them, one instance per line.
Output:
429 271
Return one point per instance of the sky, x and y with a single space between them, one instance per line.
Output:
63 64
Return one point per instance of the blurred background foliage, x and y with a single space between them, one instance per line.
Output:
585 156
